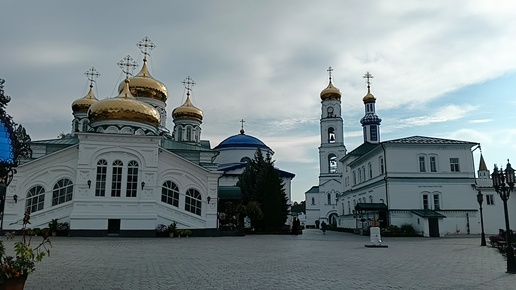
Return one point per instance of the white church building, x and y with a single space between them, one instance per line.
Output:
122 172
427 182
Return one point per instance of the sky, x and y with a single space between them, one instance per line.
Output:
444 69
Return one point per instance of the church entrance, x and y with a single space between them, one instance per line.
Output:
332 219
433 227
113 227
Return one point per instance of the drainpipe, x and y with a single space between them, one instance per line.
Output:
386 184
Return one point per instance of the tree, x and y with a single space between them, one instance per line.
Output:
261 185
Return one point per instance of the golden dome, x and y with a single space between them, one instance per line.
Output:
145 86
187 111
124 107
369 98
330 93
83 104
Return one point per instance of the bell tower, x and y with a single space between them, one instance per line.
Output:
332 147
370 122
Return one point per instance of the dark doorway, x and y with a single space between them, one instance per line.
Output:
382 218
113 227
433 226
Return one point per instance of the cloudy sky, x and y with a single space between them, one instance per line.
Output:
441 68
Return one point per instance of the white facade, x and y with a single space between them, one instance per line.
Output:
426 182
321 200
121 172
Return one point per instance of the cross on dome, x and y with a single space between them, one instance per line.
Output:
242 130
92 74
329 70
145 46
188 83
126 64
368 76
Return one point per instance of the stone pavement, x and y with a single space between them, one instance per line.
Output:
309 261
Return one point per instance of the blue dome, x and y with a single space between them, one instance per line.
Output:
242 141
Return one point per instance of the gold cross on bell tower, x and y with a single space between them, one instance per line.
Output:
368 76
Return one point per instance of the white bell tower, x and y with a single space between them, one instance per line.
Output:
332 147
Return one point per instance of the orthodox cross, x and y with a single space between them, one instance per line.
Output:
330 70
188 83
145 46
368 76
242 121
92 74
126 64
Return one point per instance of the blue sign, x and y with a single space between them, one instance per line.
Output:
6 144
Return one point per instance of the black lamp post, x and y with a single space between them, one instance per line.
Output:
480 199
503 183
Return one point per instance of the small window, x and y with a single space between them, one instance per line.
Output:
354 178
425 201
454 165
371 199
422 166
433 164
490 199
359 175
313 200
436 202
370 167
382 169
328 196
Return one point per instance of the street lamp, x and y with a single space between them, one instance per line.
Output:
503 183
480 199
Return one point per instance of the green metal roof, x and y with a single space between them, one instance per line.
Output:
370 206
229 192
314 189
427 213
61 141
172 145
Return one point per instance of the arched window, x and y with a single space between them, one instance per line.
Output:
328 196
116 181
313 200
180 134
100 184
332 163
193 201
170 193
35 199
63 190
76 126
132 179
382 168
85 124
189 134
331 135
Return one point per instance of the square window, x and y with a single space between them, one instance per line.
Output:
454 165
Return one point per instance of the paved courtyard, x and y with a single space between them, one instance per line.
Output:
308 261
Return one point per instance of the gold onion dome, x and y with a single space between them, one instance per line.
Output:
187 111
145 86
83 104
369 98
124 107
330 93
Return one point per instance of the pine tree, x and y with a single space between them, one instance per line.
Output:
261 184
